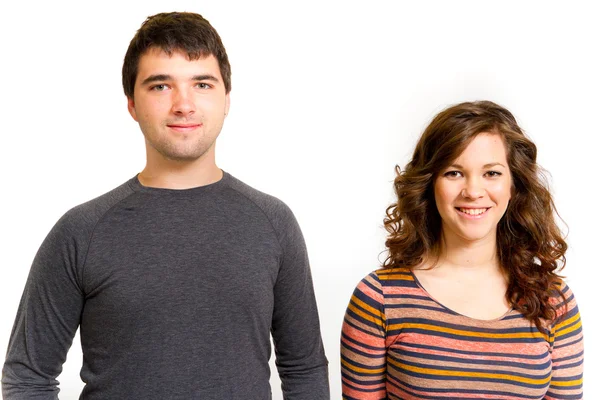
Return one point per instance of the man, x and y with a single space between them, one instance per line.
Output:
177 277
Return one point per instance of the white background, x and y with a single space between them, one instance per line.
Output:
327 98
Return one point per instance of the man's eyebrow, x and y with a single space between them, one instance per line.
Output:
156 78
206 77
165 77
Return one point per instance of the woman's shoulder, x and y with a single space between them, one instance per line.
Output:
384 275
384 278
561 289
563 300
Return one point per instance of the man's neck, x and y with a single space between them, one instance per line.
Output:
171 174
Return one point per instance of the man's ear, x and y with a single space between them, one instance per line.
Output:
131 108
227 102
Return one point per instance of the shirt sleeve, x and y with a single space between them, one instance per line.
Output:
567 351
300 356
363 348
47 319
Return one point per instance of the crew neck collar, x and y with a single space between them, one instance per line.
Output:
137 186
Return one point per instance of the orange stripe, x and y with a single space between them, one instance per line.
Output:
367 307
364 315
362 370
468 333
396 277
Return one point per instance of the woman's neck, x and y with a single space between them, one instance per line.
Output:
460 254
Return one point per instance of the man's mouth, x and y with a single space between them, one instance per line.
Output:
184 127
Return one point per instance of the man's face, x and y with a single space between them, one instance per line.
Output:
179 104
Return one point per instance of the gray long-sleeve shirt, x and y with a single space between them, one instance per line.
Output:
176 293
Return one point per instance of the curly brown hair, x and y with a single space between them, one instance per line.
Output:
531 248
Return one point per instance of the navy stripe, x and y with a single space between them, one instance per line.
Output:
560 346
363 321
475 361
362 353
569 335
370 382
475 353
567 378
468 378
367 300
371 286
564 396
379 384
367 367
349 323
432 322
356 342
404 385
471 339
469 370
399 283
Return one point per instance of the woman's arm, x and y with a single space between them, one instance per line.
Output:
363 351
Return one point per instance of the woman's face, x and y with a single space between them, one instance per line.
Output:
472 194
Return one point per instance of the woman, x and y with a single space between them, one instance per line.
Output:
468 303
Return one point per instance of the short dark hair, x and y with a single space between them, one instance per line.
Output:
184 31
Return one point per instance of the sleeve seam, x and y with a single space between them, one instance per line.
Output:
91 237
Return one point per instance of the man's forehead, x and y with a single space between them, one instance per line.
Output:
157 58
157 51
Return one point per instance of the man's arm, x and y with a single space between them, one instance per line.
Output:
47 318
300 357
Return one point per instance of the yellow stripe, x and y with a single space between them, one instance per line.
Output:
367 307
431 371
362 370
469 333
395 277
366 316
568 330
567 321
391 270
569 383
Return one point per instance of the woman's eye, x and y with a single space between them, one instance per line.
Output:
493 173
452 174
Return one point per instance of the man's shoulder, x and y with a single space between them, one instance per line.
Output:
269 204
87 214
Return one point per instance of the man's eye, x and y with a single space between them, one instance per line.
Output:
203 85
159 87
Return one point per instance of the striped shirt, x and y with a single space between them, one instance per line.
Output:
399 343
